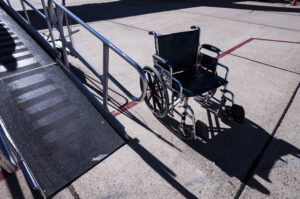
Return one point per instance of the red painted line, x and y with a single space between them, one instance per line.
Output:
124 108
291 42
235 47
251 39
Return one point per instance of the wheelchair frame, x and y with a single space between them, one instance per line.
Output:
178 98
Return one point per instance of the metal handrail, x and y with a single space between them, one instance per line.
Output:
44 16
52 18
5 136
106 45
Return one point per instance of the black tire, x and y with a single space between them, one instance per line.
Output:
156 98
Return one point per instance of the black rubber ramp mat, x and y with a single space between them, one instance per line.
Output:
58 131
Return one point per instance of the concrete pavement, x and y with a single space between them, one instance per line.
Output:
240 160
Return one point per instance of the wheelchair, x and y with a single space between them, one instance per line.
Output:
181 70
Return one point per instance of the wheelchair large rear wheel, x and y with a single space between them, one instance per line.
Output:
157 98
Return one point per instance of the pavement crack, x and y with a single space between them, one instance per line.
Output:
73 192
130 26
241 21
258 158
265 64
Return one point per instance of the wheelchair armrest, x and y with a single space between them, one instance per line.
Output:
225 67
161 60
168 74
211 48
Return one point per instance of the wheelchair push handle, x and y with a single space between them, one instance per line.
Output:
211 48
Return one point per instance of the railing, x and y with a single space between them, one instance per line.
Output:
8 162
56 15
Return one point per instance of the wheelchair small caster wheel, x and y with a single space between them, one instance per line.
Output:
186 132
202 130
237 113
224 112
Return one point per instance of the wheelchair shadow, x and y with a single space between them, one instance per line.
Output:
235 149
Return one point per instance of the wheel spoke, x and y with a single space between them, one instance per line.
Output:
154 103
149 80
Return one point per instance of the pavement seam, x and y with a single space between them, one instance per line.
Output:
265 64
225 18
258 158
130 26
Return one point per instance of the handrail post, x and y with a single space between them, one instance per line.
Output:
48 23
62 35
8 2
25 11
105 74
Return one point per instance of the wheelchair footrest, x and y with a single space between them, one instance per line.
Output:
237 113
202 130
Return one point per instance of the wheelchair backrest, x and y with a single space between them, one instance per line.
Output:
180 49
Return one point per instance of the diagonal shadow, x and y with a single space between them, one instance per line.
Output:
233 149
94 85
166 173
15 188
159 167
13 185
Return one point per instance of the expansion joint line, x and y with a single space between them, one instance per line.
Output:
258 158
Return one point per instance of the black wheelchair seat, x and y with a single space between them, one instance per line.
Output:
198 81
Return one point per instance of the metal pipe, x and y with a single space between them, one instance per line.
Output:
48 23
69 29
114 48
35 9
8 2
29 177
7 162
96 34
226 68
25 11
105 74
61 31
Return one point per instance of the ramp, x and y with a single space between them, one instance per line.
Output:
58 131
